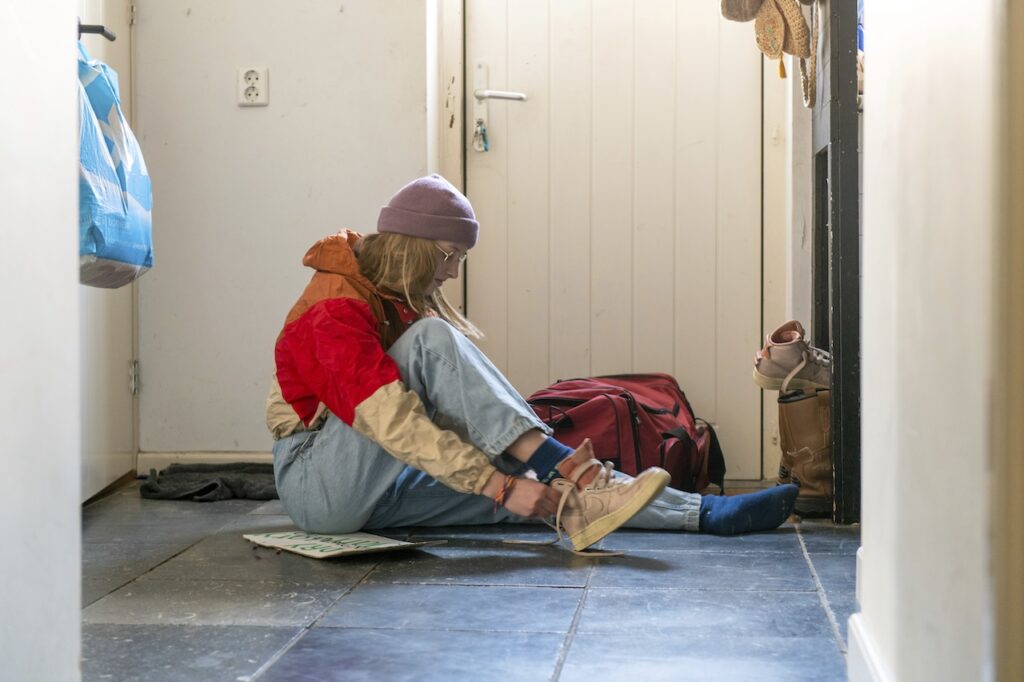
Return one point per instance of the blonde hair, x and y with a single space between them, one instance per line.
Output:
405 266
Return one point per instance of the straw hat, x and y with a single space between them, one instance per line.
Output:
780 27
740 10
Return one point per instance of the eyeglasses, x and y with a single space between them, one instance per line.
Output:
459 257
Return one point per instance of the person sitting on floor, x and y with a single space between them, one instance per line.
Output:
385 414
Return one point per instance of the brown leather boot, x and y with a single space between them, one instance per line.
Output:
805 434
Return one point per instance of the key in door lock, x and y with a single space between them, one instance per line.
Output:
480 142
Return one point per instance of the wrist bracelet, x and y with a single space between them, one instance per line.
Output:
506 490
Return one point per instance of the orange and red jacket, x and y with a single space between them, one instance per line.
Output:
331 355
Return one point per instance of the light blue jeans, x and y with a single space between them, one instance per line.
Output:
334 480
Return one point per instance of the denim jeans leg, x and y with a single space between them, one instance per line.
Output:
461 388
465 393
329 480
671 510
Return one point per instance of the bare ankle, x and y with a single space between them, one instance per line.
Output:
524 446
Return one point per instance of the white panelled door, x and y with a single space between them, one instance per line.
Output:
620 204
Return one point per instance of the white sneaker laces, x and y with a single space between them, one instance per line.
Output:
816 356
603 479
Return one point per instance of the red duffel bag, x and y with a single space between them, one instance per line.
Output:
635 421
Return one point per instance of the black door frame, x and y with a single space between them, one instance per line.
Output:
836 322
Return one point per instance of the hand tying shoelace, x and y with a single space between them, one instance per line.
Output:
588 513
602 480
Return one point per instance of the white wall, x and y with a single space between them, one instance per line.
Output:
241 193
107 322
39 361
930 211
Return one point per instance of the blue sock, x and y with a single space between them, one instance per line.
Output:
763 510
544 460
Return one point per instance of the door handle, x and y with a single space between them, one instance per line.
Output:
499 94
481 93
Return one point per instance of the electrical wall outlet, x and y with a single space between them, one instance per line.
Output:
253 86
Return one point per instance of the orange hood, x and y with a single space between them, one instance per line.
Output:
334 254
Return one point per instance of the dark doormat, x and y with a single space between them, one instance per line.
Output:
211 482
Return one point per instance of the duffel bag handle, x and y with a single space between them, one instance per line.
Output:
563 420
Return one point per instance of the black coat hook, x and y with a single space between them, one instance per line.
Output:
95 28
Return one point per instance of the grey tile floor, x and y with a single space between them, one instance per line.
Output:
171 591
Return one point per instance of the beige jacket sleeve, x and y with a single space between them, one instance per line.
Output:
395 418
281 418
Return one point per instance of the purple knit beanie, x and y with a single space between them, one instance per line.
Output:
430 208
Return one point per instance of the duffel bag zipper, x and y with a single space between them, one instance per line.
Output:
631 402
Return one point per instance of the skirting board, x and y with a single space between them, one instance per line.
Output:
160 460
863 660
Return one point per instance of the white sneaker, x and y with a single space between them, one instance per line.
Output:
588 514
787 361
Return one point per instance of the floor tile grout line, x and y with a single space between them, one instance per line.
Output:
431 628
140 575
98 599
421 584
588 585
274 658
822 596
738 590
497 585
563 652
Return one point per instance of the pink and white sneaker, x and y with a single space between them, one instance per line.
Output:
788 362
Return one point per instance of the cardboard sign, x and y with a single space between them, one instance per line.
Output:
326 546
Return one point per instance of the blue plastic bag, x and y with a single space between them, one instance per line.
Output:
115 194
860 25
